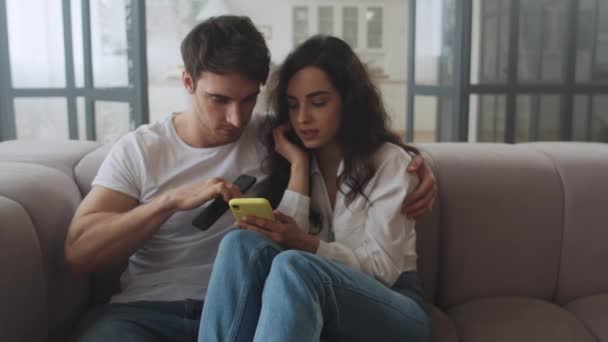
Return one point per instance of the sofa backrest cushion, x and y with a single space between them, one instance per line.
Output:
427 240
86 170
501 222
583 170
62 155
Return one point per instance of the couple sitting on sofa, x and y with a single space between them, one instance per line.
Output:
340 259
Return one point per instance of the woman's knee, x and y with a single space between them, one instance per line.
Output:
297 263
241 239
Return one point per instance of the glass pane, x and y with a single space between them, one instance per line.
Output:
350 26
112 120
326 20
599 124
166 25
300 24
538 118
445 119
435 47
41 118
584 40
580 118
490 41
109 43
487 117
522 123
541 40
425 118
35 39
82 120
374 27
77 46
393 97
600 67
549 118
592 42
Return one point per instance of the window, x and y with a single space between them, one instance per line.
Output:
65 57
326 20
300 24
350 26
374 27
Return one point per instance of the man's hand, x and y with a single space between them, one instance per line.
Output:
284 231
190 196
420 202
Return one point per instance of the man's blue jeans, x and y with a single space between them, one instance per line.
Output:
258 292
144 321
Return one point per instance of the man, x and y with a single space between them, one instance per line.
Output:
143 198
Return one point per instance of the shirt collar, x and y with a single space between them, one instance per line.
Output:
315 169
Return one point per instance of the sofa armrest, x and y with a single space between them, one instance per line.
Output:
23 285
48 197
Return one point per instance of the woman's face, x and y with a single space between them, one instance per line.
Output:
314 107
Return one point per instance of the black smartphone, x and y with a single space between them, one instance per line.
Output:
218 206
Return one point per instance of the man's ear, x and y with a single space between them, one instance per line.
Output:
188 82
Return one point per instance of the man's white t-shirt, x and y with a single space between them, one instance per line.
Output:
175 263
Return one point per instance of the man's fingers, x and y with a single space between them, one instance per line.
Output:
422 212
415 163
235 191
417 215
225 193
422 204
421 191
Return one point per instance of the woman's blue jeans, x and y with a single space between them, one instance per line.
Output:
258 292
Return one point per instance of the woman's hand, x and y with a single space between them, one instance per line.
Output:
287 149
284 231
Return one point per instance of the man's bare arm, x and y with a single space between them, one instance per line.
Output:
420 202
109 226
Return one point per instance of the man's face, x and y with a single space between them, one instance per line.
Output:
222 105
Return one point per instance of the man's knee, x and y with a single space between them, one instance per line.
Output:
106 328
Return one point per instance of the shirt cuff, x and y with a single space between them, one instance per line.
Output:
297 206
325 250
292 202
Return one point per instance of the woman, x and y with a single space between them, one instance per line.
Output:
340 260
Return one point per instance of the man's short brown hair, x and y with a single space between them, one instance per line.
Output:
226 44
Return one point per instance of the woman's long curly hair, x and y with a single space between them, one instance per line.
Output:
364 123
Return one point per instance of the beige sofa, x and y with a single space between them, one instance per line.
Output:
516 249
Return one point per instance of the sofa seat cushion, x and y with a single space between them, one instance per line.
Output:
444 329
593 312
519 319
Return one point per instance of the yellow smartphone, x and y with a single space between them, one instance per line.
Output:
258 207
